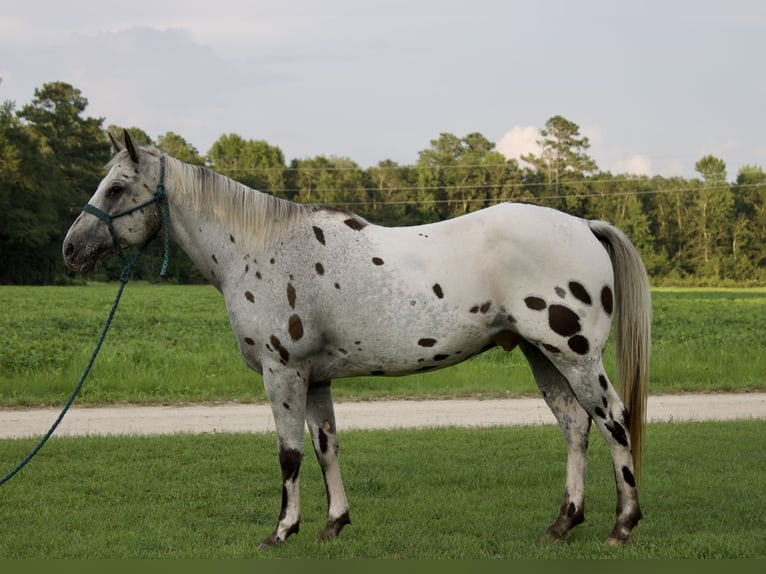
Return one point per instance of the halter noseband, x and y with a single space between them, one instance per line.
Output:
160 200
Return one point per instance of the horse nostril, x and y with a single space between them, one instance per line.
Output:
69 249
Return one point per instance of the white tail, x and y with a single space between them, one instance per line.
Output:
633 327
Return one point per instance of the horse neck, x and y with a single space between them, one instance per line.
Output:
212 215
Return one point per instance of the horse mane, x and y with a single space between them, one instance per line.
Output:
258 218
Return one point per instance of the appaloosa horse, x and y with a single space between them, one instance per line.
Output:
316 293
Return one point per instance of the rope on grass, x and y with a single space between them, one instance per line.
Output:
127 267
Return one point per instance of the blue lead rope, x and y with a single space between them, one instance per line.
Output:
127 266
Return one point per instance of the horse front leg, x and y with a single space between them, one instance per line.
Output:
320 417
287 395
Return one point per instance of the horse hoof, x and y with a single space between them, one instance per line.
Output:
269 543
615 542
333 527
550 539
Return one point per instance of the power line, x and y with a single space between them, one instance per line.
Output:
509 187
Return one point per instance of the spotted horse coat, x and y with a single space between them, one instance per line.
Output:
316 293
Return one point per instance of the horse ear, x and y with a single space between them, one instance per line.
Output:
117 146
132 150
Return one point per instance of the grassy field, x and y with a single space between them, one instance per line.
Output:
491 496
173 343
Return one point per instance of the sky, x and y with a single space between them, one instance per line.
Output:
654 84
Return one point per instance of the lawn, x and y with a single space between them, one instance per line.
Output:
451 493
173 343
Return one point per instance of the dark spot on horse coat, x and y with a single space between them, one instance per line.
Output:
571 510
440 357
319 234
272 261
247 267
607 301
295 327
438 291
618 432
604 383
291 295
249 296
322 440
355 224
286 406
337 286
485 307
628 476
535 303
474 309
579 344
277 344
231 238
551 348
342 350
563 320
290 461
258 275
560 292
511 319
427 342
377 261
319 269
600 413
249 341
580 292
214 259
378 373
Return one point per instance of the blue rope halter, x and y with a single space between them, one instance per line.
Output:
160 200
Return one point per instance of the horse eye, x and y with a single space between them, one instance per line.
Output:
115 190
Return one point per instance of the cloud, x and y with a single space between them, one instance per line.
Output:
638 164
519 141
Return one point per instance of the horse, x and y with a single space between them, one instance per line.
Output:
315 293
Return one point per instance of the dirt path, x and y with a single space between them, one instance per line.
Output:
136 420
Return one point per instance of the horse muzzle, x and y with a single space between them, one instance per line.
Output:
81 254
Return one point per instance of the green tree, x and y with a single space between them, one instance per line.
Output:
458 175
252 162
65 152
712 218
28 214
334 181
177 147
618 200
139 136
394 194
562 158
749 237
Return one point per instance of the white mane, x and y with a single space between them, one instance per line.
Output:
257 217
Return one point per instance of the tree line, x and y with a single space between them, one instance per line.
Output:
705 230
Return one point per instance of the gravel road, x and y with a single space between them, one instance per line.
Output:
252 418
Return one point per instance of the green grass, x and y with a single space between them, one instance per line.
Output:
173 343
449 493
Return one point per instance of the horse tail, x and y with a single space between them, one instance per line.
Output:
633 325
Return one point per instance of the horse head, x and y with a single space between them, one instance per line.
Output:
123 211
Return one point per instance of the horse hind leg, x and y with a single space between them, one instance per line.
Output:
598 397
320 418
574 423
